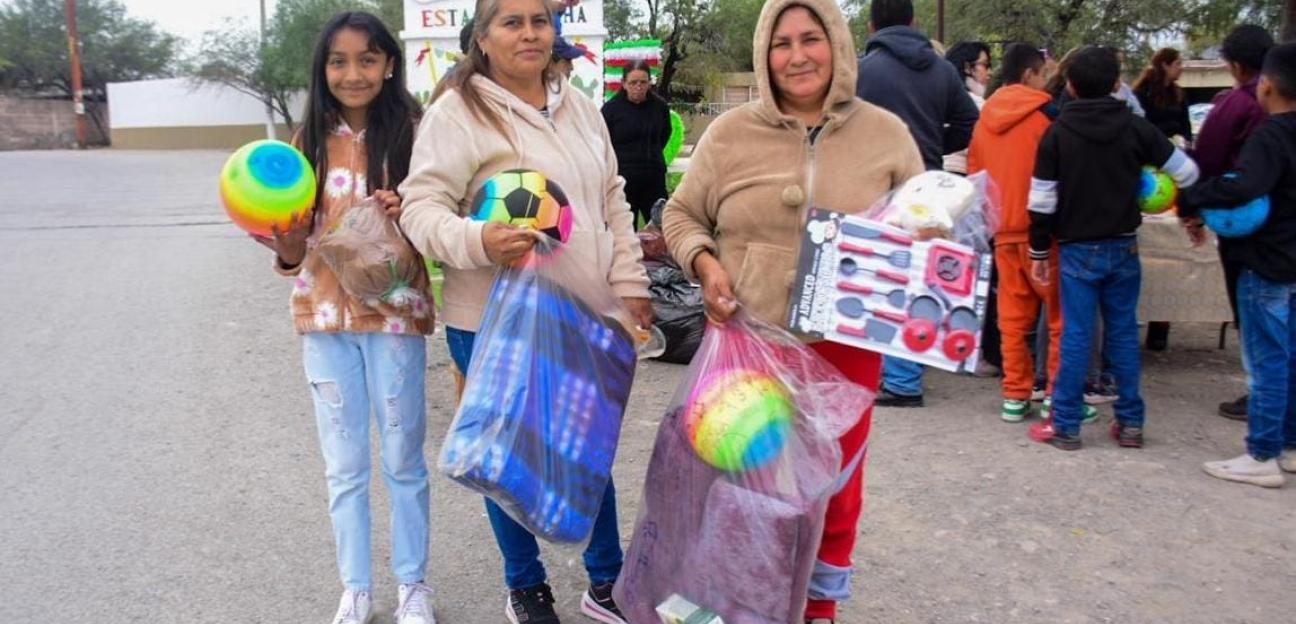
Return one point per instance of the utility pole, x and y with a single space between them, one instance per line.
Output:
74 53
270 116
940 21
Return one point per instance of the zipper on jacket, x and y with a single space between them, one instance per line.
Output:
811 141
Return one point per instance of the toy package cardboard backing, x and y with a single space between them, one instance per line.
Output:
869 285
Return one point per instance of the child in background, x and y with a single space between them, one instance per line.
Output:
1004 143
1266 292
357 134
1084 197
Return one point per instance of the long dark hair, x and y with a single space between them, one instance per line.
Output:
1153 80
460 78
389 135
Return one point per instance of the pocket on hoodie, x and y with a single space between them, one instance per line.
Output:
594 247
764 283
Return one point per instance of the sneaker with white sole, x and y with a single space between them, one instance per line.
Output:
1088 417
1040 389
356 607
1287 461
533 605
414 604
1014 410
597 604
1247 469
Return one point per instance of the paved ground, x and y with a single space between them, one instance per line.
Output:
158 460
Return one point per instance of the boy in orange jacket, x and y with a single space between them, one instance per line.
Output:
1004 143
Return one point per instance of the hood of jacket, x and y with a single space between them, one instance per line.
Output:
907 44
1098 119
1011 105
841 94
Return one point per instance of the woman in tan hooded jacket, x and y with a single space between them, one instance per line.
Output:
735 222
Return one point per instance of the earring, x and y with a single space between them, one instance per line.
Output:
389 76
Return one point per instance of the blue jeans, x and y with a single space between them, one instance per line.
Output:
354 376
522 567
902 377
1268 314
1102 275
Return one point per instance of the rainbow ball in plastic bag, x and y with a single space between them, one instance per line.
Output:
266 183
1157 191
739 419
525 198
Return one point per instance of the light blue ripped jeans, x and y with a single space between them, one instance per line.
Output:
351 377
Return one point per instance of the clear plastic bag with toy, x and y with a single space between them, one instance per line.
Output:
744 463
372 259
540 418
938 204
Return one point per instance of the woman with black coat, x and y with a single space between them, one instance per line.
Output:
639 122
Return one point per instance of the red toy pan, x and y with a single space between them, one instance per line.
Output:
960 340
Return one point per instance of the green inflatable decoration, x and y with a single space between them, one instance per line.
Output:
676 141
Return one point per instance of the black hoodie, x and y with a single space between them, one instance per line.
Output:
638 132
1267 165
1087 173
903 74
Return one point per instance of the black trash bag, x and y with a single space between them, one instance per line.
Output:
680 315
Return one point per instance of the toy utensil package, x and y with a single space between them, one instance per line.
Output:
538 424
371 257
870 285
744 463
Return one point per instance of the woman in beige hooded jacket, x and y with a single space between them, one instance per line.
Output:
735 222
504 107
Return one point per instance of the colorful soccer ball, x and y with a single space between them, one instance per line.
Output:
266 183
525 198
739 419
1157 191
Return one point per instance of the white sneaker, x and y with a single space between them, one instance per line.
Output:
1246 469
414 604
355 608
1287 461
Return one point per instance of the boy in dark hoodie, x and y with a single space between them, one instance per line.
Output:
1266 290
1004 143
1084 196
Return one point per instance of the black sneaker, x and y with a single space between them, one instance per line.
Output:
597 604
1235 410
1127 436
887 398
533 605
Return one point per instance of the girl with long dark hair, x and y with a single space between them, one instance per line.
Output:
638 121
362 356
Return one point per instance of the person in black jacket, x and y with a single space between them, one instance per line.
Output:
1084 197
639 122
1166 106
903 74
1266 290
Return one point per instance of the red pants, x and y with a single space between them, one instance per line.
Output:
842 520
1019 303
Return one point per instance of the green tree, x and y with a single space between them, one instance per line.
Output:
114 48
233 55
623 20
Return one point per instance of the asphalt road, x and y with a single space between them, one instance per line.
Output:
159 463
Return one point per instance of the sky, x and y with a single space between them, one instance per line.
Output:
190 18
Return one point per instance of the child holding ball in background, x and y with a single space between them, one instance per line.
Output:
362 357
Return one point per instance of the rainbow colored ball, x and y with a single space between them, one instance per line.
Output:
739 419
525 198
266 183
1157 191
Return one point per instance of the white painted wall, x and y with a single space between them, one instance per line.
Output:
179 102
431 38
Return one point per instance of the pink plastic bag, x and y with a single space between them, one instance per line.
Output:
745 461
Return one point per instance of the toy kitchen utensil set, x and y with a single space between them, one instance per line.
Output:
870 285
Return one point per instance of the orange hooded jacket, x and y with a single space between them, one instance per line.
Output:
1004 143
